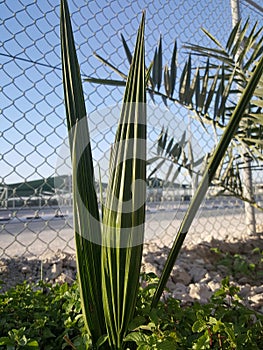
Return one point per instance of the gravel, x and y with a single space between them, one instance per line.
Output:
197 273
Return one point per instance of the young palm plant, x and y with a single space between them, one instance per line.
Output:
109 250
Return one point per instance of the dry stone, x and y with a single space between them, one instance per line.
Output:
195 276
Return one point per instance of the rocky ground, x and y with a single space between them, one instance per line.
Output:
196 275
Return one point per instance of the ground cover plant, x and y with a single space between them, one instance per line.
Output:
42 316
109 245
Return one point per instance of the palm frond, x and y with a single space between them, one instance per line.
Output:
124 210
86 213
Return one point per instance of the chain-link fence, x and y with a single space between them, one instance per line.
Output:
35 188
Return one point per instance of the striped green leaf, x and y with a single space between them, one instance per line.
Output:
86 214
124 210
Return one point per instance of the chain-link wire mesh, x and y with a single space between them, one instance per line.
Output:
36 208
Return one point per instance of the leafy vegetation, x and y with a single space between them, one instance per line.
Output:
47 317
239 265
39 316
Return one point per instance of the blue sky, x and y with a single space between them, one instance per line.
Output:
32 122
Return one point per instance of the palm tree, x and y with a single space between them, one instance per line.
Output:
209 92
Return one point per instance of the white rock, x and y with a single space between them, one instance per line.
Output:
180 275
181 292
199 292
26 269
197 273
72 264
214 285
257 290
199 261
148 267
56 270
256 299
245 290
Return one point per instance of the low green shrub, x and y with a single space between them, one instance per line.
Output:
43 316
240 265
39 316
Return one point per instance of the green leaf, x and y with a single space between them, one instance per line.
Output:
126 49
176 152
110 82
212 38
203 342
256 52
199 326
168 148
5 341
138 337
136 322
124 211
173 69
219 94
148 74
238 43
107 63
198 162
190 153
233 36
197 91
193 87
33 344
204 86
248 43
182 141
157 66
225 95
11 347
102 340
160 148
211 92
86 213
185 81
171 166
176 174
164 141
155 69
152 160
160 64
167 80
158 166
